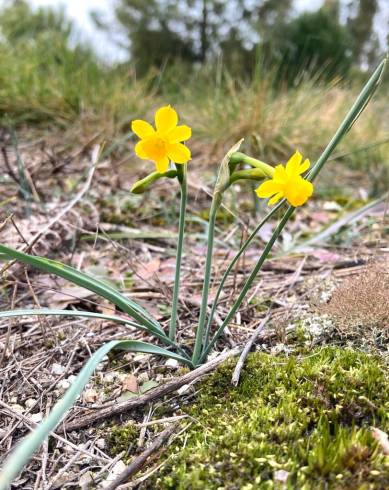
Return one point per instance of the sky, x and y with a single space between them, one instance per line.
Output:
103 44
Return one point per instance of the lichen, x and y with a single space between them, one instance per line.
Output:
305 419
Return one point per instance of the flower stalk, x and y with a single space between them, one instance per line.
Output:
182 179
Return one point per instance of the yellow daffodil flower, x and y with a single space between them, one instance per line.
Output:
287 182
163 144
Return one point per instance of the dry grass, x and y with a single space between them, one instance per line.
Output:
362 300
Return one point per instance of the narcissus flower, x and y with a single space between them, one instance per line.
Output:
287 182
163 144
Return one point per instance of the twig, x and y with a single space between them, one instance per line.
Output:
246 350
10 171
31 425
71 204
128 405
64 211
140 460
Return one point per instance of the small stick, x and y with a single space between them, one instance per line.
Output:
140 460
239 365
77 198
123 407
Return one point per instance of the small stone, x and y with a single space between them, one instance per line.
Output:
63 385
30 403
100 443
36 417
172 363
331 206
183 389
143 377
57 369
108 378
18 408
117 468
90 396
281 476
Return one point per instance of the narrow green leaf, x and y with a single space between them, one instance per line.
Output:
79 313
88 282
24 451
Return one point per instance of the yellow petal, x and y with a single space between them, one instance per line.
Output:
140 150
180 133
280 174
275 198
268 188
304 166
179 153
166 119
162 165
142 128
298 192
292 167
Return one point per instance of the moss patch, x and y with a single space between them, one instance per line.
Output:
304 419
123 439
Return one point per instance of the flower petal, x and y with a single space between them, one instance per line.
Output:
180 133
179 153
140 151
304 166
166 119
162 165
275 198
292 167
280 174
142 128
298 192
268 188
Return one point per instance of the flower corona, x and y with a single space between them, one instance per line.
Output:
163 144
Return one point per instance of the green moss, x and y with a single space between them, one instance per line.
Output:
123 439
307 415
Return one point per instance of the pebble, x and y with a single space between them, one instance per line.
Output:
57 369
100 443
36 417
30 403
172 363
117 468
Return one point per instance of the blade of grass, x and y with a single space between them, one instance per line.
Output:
90 314
23 451
88 282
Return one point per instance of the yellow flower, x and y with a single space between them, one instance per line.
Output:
163 144
287 182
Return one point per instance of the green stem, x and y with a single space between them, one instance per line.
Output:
249 281
182 178
239 157
232 264
207 278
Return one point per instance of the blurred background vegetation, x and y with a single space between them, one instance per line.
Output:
279 75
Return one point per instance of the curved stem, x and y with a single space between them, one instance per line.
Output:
231 266
182 177
207 278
